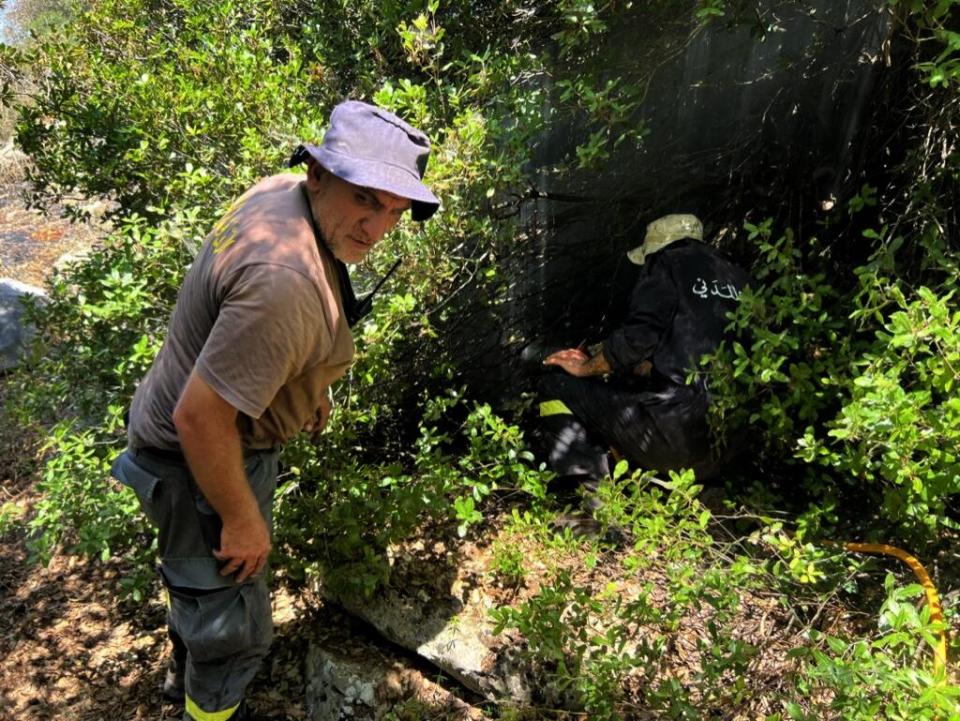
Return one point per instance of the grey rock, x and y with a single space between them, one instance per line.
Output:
351 679
15 334
455 638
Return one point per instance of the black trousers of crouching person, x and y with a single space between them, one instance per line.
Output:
655 425
224 628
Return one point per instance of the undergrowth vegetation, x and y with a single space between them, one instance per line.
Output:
686 588
844 368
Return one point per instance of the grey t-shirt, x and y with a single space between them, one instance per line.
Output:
260 318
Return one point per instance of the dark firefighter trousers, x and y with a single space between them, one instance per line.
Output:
658 427
224 627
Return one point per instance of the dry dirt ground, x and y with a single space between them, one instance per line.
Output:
31 241
70 649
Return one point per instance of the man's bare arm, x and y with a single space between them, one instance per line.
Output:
207 427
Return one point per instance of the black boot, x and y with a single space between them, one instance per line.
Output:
173 688
583 523
245 713
173 682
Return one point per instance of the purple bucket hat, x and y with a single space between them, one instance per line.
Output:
371 147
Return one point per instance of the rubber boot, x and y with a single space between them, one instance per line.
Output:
245 713
173 683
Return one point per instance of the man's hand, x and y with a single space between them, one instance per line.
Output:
245 546
207 428
572 360
577 363
316 424
643 369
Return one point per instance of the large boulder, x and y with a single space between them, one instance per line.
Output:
437 606
15 333
351 678
456 638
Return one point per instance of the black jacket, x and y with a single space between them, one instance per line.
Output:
678 311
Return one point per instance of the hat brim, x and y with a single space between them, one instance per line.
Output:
638 255
379 176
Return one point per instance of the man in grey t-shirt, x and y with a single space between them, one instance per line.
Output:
258 335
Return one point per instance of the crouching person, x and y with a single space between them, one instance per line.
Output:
631 394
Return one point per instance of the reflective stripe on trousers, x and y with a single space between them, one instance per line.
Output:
658 427
227 633
554 408
198 714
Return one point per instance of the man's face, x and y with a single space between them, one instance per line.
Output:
351 218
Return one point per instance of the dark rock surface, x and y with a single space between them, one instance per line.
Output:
15 333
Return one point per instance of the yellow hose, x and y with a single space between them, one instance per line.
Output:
933 600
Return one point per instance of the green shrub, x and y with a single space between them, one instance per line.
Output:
844 370
340 510
603 635
845 365
154 106
80 507
878 677
102 323
899 425
874 407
